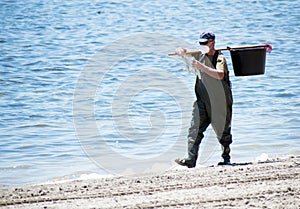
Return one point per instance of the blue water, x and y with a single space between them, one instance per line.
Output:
46 45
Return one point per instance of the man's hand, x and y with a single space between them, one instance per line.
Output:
181 52
217 74
197 65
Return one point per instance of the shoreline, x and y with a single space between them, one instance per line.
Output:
271 184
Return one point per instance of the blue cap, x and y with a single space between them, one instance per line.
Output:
206 36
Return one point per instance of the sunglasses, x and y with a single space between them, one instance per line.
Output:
204 43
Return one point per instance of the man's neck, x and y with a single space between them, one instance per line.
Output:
211 52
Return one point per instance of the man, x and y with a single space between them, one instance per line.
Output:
214 101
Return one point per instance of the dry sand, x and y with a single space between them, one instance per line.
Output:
272 184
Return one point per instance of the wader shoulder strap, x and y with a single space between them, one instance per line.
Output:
214 62
215 58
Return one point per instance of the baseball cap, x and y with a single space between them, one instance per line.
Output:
206 36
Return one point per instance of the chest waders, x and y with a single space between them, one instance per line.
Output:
213 106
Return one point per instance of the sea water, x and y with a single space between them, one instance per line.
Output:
46 46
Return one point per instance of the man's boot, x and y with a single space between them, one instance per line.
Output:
225 156
195 135
193 148
189 161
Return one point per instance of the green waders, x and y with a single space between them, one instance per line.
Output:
202 118
213 106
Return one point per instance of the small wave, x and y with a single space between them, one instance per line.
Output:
33 63
4 93
81 177
15 167
94 176
34 126
285 95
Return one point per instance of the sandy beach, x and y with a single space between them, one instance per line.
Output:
271 184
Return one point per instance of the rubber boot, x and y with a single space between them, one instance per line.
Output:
193 148
225 156
190 160
199 123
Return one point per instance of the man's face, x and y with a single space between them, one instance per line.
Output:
210 44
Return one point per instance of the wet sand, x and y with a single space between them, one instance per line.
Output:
271 184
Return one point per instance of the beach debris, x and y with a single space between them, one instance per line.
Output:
262 158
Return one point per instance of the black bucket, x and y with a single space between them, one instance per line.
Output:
248 61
